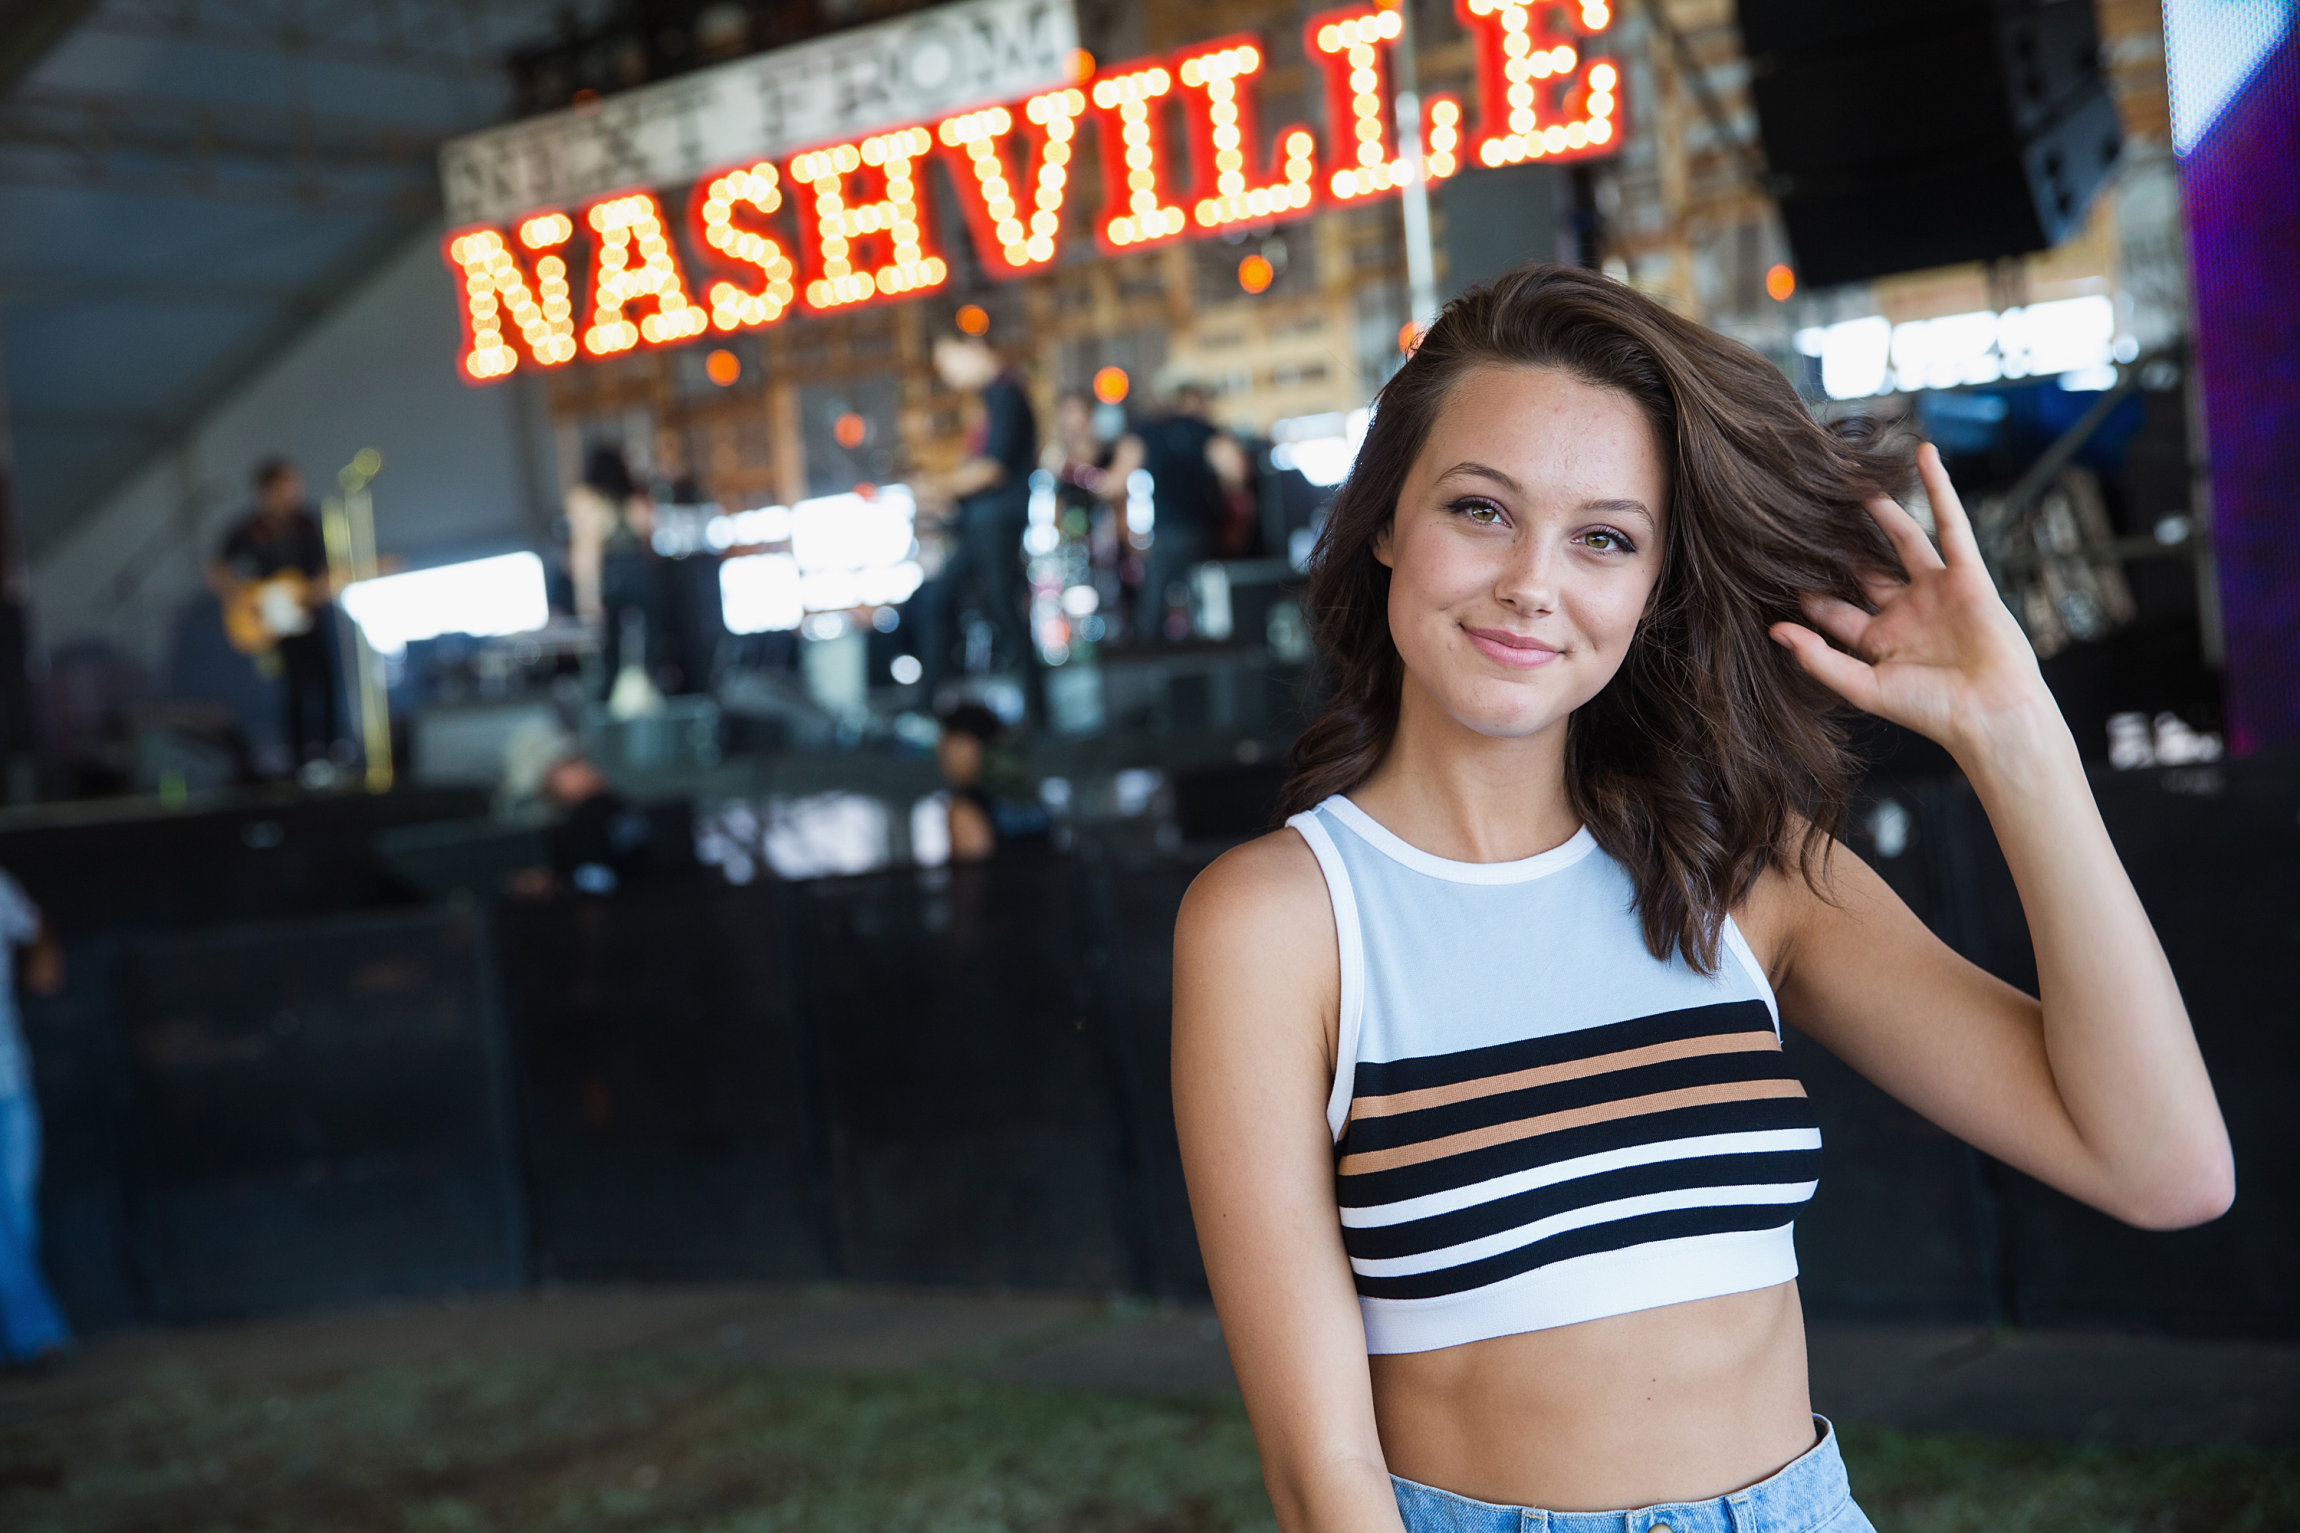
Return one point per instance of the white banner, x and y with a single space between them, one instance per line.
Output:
837 88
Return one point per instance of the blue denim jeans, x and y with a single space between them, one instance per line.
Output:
1809 1495
30 1323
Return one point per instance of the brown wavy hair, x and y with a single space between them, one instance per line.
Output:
1710 756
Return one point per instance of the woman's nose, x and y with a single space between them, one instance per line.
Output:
1527 580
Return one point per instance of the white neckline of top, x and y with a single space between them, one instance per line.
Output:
1389 842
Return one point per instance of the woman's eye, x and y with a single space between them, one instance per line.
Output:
1483 512
1606 541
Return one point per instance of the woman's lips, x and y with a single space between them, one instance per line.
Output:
1512 649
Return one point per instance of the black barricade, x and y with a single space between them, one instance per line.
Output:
318 1115
668 1111
1132 977
959 1076
977 1132
2215 853
82 1087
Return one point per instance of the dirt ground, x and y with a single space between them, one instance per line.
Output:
731 1409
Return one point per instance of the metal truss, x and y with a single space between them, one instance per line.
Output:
440 37
184 147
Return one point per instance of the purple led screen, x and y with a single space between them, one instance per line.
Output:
2240 180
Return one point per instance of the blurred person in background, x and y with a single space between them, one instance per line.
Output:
271 574
968 731
1079 458
1492 1144
988 804
31 1326
597 841
1179 446
987 495
611 559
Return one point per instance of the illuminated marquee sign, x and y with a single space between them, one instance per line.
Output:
817 199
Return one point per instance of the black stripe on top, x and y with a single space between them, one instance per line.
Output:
1382 1133
1371 1189
1439 1231
1374 1079
1613 1235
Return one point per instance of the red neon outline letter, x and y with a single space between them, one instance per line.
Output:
899 217
1544 96
1135 207
628 224
713 219
542 310
1222 141
1351 47
1014 234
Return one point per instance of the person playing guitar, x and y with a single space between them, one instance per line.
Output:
272 577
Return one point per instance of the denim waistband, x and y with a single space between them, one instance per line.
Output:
1803 1497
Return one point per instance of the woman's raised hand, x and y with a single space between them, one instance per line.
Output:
1941 655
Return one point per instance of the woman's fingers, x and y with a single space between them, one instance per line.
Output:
1908 539
1850 678
1958 545
1880 589
1840 620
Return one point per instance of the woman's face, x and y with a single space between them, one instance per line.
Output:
1526 544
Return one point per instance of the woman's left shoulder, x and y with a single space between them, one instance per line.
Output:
1804 887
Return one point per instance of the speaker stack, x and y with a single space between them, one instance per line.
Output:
1903 134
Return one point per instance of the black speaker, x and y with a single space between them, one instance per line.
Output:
1903 134
1495 219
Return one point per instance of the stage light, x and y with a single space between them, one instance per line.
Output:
849 430
973 319
486 598
759 593
1255 274
1780 283
1110 385
722 367
757 187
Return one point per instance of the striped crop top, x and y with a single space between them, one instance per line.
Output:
1536 1122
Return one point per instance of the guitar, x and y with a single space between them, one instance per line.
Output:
260 613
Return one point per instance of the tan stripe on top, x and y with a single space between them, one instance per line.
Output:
1572 1117
1569 1070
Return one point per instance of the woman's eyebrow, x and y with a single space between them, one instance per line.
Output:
1619 507
1468 468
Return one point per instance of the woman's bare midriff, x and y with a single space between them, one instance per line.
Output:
1682 1403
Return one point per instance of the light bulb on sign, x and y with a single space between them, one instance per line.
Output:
898 218
1544 96
1352 47
1133 170
1222 139
541 311
1015 210
756 187
635 265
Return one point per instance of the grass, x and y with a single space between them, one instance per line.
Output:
686 1443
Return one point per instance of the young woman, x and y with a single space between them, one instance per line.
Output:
1490 1141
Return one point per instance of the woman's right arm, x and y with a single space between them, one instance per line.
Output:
1257 984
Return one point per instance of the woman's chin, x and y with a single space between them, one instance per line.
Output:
1504 712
